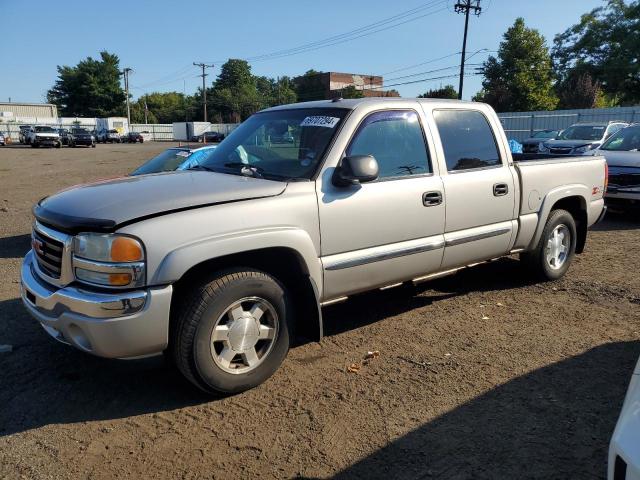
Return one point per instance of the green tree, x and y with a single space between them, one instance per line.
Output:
448 91
606 45
90 89
521 77
165 107
579 90
351 92
235 94
309 86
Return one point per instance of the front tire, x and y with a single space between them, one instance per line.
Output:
232 331
556 248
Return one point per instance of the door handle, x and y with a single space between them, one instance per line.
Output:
500 189
431 199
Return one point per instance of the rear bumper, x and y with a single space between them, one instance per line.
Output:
114 325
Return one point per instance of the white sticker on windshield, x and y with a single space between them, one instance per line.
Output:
598 128
320 121
182 153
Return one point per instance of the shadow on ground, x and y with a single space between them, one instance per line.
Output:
554 422
619 220
16 246
370 307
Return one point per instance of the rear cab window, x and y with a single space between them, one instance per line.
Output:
468 141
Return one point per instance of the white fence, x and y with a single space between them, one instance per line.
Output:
521 125
158 131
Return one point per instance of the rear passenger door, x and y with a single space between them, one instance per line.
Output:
479 187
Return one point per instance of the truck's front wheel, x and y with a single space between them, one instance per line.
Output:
556 248
231 332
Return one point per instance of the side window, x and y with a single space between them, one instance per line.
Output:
467 139
395 139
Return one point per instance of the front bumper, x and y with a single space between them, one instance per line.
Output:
624 449
83 141
122 324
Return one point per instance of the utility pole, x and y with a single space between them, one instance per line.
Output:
146 110
125 72
464 6
204 86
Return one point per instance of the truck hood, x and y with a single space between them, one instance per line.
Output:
569 143
620 158
106 205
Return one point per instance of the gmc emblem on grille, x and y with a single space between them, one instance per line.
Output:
37 246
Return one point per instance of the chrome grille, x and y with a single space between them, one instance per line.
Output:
48 253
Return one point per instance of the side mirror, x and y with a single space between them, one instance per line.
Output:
355 170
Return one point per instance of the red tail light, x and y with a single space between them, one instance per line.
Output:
606 176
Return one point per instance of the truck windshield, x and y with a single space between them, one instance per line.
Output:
78 131
278 145
45 129
583 132
627 140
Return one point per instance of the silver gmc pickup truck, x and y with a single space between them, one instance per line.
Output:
218 266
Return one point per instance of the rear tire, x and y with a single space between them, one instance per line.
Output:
231 332
556 248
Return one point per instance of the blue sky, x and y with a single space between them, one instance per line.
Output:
160 39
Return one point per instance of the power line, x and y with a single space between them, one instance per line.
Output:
351 35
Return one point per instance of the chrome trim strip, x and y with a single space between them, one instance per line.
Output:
476 236
333 301
384 255
135 269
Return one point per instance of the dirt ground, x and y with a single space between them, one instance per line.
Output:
484 374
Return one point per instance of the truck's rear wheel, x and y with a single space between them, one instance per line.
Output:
231 332
556 248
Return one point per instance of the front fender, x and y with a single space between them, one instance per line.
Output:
553 197
177 262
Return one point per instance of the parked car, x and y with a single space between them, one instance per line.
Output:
133 137
23 133
108 136
624 448
622 151
176 158
82 136
581 138
217 265
208 137
3 142
536 141
43 136
64 136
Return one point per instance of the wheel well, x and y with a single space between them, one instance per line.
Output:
286 265
577 207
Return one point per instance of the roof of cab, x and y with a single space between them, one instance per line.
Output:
352 103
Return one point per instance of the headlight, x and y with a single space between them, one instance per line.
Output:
586 148
108 260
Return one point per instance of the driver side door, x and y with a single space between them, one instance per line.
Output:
389 230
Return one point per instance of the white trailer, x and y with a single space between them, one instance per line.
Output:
185 131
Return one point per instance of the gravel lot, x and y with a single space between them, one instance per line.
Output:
481 375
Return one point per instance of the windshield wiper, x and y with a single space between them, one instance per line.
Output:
201 167
246 169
